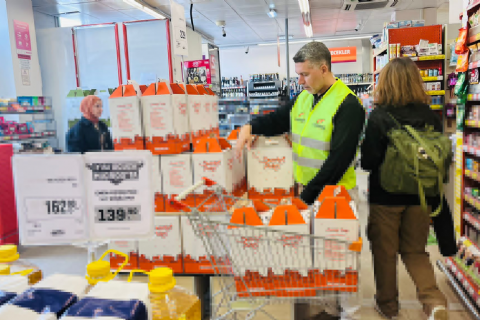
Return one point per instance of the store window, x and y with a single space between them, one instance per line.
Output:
69 22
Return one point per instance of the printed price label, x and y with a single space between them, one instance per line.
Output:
459 276
471 291
44 208
117 214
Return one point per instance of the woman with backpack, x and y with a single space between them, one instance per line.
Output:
397 222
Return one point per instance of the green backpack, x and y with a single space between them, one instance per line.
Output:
416 162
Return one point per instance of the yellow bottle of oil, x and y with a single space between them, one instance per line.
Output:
100 270
10 257
169 301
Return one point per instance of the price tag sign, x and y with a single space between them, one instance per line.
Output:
120 195
50 199
179 25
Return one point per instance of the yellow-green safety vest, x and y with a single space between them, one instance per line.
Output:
312 132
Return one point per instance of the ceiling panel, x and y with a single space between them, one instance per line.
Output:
324 14
55 9
331 4
136 14
92 8
116 4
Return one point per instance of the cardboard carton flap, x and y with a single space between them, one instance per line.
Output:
143 88
163 88
201 89
246 216
177 89
124 91
234 135
260 206
151 90
335 208
212 145
190 89
286 215
334 191
209 91
299 204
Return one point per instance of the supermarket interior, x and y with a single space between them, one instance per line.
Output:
126 190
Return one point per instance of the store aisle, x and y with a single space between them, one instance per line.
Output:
72 260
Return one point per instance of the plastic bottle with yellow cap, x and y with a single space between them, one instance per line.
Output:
100 270
12 284
10 257
169 301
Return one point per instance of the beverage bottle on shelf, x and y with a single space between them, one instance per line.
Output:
10 257
99 271
241 81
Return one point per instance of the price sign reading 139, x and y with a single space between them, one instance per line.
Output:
117 213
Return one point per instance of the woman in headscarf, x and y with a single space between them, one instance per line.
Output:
89 134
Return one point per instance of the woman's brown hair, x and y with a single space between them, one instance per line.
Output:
400 84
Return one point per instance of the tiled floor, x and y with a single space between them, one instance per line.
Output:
72 260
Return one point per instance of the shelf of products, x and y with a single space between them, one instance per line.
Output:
427 79
436 107
383 49
27 136
356 78
264 86
436 93
11 109
429 58
234 87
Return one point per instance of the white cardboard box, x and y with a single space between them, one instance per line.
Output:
217 166
194 252
130 248
270 168
165 249
177 173
125 114
156 175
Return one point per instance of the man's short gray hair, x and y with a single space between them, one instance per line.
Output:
316 53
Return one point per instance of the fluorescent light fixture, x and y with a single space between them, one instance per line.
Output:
310 40
272 13
145 9
308 31
307 22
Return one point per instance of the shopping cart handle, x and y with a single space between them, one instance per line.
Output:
190 189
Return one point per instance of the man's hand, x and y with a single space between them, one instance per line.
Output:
244 138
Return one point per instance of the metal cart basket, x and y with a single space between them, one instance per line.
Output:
257 266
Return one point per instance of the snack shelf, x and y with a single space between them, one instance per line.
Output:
28 136
436 93
379 51
472 175
471 150
473 202
469 292
24 109
428 58
427 79
471 220
436 107
473 97
359 84
472 123
471 6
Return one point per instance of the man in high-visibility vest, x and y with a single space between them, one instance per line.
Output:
325 121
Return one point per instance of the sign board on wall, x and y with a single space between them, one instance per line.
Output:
22 39
179 27
198 72
343 54
51 203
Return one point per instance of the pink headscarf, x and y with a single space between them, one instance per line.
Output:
86 107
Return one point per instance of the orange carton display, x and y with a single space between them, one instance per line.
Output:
195 109
177 175
165 250
214 122
126 120
130 248
165 118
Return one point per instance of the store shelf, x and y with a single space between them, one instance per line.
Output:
473 202
427 79
24 109
471 150
379 51
429 58
473 97
436 107
436 93
260 82
467 289
263 90
261 97
359 84
472 175
472 123
228 88
470 7
472 220
377 71
29 136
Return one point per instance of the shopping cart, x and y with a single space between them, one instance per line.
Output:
257 266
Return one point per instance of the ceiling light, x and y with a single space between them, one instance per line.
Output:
308 31
272 13
145 9
323 40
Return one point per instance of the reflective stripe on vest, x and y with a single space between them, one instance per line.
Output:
312 133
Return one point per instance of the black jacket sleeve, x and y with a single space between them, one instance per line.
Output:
75 140
348 125
274 123
374 145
